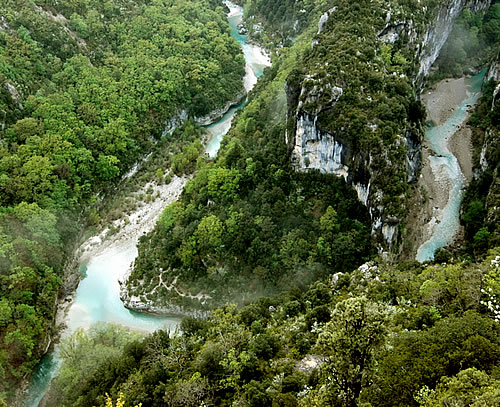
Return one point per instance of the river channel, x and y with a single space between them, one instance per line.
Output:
447 173
98 295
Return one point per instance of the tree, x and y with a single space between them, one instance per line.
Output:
351 340
470 387
5 312
120 402
223 183
107 166
209 233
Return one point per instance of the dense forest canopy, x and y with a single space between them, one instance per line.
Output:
381 335
86 88
249 220
318 318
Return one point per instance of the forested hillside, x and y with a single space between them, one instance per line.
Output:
480 213
277 23
86 88
381 335
251 219
290 257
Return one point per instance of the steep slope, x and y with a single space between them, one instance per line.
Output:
481 208
353 104
382 335
342 100
86 88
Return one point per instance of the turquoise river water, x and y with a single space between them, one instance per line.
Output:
98 294
445 164
256 61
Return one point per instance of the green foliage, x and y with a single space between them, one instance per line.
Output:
87 355
338 343
453 344
473 40
357 330
272 227
86 88
247 225
278 22
184 162
470 387
479 208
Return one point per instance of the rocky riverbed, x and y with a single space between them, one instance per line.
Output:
434 189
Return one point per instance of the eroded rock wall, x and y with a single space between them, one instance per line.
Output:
311 98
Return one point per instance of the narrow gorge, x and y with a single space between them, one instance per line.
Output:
447 162
320 142
104 261
183 223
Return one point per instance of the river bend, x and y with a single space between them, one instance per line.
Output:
98 294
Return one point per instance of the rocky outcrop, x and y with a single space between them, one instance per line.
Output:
217 114
176 121
437 34
313 147
3 24
493 71
324 19
180 117
150 307
145 305
14 93
494 74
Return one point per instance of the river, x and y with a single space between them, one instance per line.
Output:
447 173
255 60
98 294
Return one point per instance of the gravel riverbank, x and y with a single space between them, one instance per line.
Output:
432 191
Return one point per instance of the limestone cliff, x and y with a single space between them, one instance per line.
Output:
486 166
353 110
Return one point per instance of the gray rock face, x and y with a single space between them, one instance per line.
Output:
150 307
314 148
493 71
3 24
318 150
494 74
324 19
13 92
178 119
496 93
438 32
216 114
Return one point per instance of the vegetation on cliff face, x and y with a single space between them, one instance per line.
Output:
247 226
368 53
381 335
473 40
277 23
249 220
480 214
85 88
